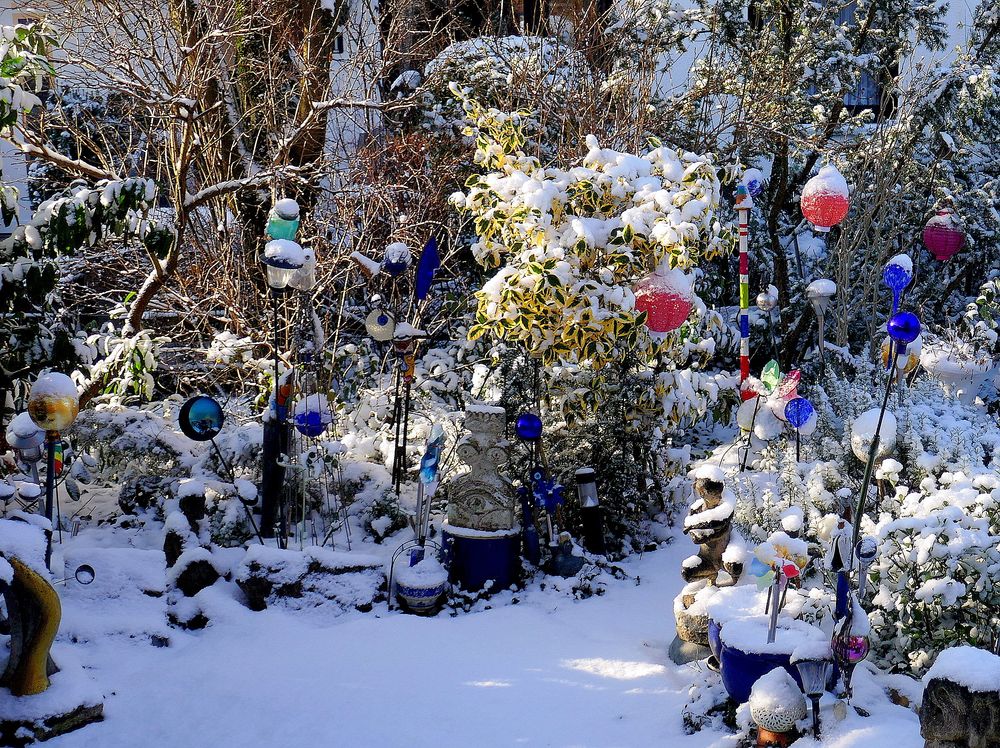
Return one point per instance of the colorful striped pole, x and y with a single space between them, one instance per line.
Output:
744 204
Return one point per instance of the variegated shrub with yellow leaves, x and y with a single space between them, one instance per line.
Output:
569 243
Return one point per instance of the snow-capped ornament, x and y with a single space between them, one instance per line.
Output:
767 300
283 258
863 432
54 402
754 181
312 415
897 275
666 298
943 234
397 259
825 199
776 703
283 220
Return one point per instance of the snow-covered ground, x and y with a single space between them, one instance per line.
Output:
547 671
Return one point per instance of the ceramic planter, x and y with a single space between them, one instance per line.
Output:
962 380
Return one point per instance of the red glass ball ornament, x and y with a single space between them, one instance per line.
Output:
666 306
825 199
943 236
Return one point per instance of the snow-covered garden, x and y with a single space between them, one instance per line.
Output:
373 379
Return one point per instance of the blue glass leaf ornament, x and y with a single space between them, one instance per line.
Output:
429 263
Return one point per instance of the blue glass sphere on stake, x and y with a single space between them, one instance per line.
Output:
201 418
903 327
529 427
798 410
897 278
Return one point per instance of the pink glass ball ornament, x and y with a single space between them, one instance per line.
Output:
666 305
943 235
825 199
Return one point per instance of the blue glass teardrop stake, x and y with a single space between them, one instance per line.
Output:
903 327
798 410
897 279
529 427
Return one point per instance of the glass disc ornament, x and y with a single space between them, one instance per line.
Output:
380 325
22 433
666 300
54 402
528 427
943 235
201 418
897 275
312 415
903 327
797 412
825 199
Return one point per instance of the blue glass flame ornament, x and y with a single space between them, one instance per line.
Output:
432 457
897 278
548 494
798 411
903 327
429 263
201 418
528 427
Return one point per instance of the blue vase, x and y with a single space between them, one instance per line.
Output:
421 599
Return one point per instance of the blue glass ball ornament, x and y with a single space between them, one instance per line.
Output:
312 415
201 418
529 427
798 410
903 327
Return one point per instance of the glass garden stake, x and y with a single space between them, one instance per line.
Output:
820 293
903 328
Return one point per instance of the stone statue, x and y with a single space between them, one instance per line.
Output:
709 524
953 716
482 499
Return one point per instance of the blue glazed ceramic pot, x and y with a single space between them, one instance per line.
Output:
740 670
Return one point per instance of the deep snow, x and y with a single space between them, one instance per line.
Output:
549 671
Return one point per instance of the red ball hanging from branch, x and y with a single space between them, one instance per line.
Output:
943 235
825 199
666 298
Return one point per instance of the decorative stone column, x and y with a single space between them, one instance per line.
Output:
481 535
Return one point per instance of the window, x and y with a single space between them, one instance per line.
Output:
338 42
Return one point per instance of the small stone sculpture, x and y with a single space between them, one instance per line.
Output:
482 499
961 703
709 523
